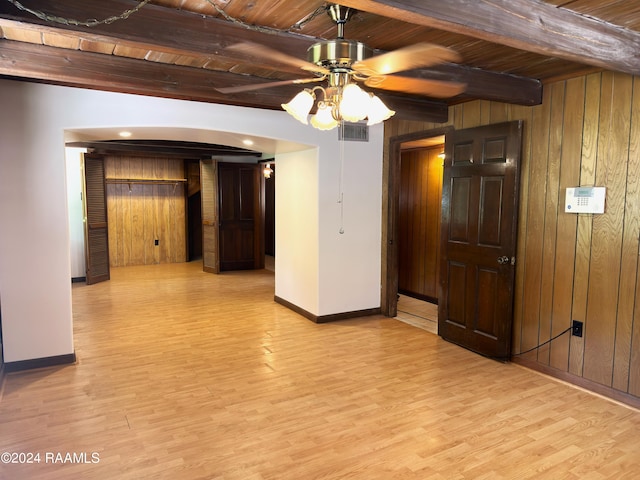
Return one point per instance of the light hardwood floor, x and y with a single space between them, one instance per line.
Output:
418 313
188 375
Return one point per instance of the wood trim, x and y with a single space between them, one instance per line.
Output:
326 318
581 382
146 181
347 315
21 365
259 218
418 296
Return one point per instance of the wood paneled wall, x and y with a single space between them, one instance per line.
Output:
419 222
583 267
140 214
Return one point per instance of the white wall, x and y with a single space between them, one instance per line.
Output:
340 273
297 237
34 239
347 261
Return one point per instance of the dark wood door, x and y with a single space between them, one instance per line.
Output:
270 213
240 226
478 242
96 226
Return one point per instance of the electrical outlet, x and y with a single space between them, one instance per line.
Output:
157 242
576 328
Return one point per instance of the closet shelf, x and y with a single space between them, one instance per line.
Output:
147 181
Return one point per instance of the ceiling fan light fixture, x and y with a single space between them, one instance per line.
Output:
267 170
354 104
324 119
378 111
300 106
342 63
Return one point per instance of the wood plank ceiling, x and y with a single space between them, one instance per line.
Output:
180 48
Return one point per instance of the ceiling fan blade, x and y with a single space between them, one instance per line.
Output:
419 55
257 50
260 86
417 86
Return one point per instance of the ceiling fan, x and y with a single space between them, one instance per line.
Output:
343 63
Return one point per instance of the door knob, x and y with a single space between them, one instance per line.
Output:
503 260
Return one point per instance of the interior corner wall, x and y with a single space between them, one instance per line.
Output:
35 244
297 240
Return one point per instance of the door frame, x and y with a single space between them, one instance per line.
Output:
211 217
258 209
391 185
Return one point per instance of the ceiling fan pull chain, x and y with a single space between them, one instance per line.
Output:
341 179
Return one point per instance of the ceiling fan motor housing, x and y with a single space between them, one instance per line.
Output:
338 53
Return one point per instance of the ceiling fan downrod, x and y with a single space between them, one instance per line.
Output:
338 54
340 15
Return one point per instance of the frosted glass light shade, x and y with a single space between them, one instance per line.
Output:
378 111
300 106
323 119
354 105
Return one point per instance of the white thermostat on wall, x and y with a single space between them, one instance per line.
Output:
585 200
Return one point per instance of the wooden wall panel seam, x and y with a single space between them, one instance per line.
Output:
628 260
549 241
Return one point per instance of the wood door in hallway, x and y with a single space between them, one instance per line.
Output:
479 220
240 228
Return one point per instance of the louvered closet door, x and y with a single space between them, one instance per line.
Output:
96 226
210 216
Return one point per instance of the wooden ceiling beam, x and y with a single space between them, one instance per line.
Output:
530 25
154 27
184 33
119 74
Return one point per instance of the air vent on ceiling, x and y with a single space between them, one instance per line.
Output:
354 132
